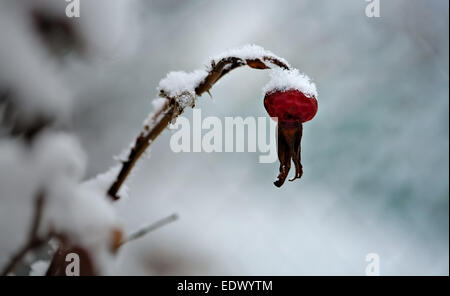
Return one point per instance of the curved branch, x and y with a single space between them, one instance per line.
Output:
172 110
141 144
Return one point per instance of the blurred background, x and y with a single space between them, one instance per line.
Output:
375 157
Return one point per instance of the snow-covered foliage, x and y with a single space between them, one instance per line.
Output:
52 165
282 80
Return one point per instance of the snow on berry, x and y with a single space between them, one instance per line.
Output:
282 80
291 98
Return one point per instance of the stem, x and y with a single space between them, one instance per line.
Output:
150 228
141 144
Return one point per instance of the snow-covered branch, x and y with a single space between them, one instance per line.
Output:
179 90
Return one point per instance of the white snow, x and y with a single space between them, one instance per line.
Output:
123 155
39 85
39 268
54 164
282 80
159 104
249 51
181 85
103 181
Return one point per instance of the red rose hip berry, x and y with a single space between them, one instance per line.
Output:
292 108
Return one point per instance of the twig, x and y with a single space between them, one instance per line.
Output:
143 231
149 134
33 239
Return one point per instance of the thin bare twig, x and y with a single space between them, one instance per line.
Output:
152 227
34 241
148 135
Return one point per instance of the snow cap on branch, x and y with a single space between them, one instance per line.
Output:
181 85
247 52
159 104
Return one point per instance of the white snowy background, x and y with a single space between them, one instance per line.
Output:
375 157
